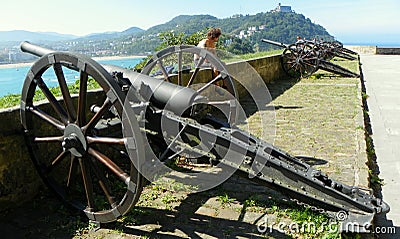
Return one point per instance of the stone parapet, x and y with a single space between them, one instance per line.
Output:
388 50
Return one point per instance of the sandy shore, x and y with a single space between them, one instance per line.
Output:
15 65
105 58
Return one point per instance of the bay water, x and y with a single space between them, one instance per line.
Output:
12 77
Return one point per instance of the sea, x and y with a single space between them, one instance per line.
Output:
12 77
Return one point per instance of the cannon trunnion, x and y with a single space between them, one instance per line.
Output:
114 128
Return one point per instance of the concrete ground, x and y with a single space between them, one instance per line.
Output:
382 82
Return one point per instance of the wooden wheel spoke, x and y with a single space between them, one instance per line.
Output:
95 119
72 167
48 118
163 70
293 66
308 53
290 62
196 70
103 182
213 81
309 64
87 181
105 140
65 92
55 162
48 139
109 164
81 114
180 68
52 100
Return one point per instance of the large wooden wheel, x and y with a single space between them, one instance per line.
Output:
176 64
300 60
78 140
207 75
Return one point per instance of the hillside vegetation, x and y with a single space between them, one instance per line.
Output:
242 34
281 27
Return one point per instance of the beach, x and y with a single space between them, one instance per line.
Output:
15 65
102 58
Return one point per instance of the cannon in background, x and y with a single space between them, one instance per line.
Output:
303 58
107 140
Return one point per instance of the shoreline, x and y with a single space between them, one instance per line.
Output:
97 58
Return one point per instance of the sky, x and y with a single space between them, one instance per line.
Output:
349 21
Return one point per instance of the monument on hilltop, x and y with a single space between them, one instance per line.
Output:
281 8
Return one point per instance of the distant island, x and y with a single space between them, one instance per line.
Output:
281 24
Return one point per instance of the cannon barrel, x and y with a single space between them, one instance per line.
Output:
161 93
33 49
280 44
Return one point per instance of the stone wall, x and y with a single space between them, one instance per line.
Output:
19 181
388 51
363 49
375 50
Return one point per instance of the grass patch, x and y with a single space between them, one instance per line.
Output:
225 199
12 100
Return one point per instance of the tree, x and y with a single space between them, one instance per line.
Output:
240 46
172 38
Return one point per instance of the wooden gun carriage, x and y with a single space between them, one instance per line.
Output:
100 139
303 58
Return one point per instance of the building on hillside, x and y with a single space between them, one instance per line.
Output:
281 8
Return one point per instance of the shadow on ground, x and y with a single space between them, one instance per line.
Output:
47 217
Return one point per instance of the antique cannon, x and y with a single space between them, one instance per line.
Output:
329 50
96 142
303 58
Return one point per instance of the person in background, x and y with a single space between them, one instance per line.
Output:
212 37
209 43
299 40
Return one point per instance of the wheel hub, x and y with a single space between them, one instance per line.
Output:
74 140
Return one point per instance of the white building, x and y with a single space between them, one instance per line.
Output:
281 8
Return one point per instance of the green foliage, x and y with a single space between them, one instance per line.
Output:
281 27
375 179
225 199
312 224
173 38
12 100
240 46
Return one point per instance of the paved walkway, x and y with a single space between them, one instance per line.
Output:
382 81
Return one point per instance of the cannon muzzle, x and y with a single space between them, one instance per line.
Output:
34 49
280 44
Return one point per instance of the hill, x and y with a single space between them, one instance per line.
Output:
187 24
111 35
281 27
21 35
241 34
